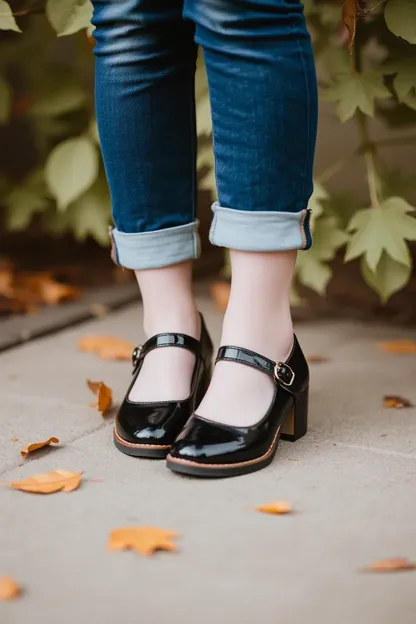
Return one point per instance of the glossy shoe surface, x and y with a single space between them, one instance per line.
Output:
149 429
210 449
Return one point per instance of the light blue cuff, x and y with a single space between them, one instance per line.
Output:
154 250
260 231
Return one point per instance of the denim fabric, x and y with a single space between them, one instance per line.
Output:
263 95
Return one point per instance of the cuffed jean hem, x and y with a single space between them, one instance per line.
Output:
157 249
260 231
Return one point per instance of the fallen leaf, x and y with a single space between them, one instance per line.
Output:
399 346
106 347
50 482
37 445
349 17
317 359
52 292
103 393
396 401
277 507
9 589
399 564
220 292
6 281
99 309
144 540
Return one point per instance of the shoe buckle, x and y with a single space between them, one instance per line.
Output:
136 354
281 367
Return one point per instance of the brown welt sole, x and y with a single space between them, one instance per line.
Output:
150 451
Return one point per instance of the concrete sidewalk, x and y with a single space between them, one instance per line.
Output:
352 482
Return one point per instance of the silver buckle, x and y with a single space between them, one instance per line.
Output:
136 354
276 374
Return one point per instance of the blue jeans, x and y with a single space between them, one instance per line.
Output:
263 95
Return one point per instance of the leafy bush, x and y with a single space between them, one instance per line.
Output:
67 188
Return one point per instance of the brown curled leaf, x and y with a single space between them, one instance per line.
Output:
398 402
104 395
37 445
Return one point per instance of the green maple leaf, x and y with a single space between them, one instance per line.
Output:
386 228
405 80
311 265
357 91
389 277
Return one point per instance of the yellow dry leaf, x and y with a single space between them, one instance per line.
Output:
277 507
37 445
396 402
106 347
103 393
50 482
398 564
399 346
144 540
9 589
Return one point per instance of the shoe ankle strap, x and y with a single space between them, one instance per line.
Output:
281 372
182 341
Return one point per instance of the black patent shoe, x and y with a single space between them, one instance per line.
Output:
149 429
208 449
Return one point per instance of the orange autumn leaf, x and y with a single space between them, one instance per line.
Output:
396 402
50 482
37 445
103 393
52 292
9 589
220 292
349 17
144 540
277 508
106 347
399 564
399 346
6 281
317 359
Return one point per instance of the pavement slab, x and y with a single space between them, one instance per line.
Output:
351 482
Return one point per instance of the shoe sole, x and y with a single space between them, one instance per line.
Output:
195 469
149 451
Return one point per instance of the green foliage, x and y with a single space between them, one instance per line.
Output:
71 168
400 18
357 91
67 190
7 20
69 16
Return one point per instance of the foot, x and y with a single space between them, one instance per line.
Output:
239 395
166 373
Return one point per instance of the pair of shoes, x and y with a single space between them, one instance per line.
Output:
199 447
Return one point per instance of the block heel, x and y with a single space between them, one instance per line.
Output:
296 424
